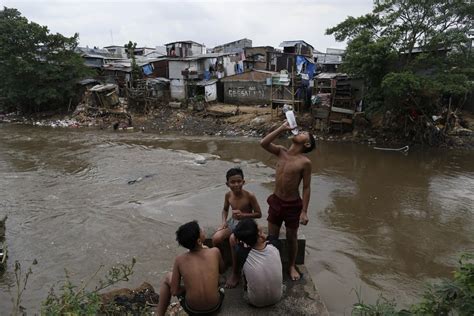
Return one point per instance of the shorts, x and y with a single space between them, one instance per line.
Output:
280 211
232 224
190 311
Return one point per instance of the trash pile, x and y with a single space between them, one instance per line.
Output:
101 105
58 123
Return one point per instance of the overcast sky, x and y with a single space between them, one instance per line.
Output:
156 22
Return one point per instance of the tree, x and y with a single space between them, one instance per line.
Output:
38 70
135 69
413 54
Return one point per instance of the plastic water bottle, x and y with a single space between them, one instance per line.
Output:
290 118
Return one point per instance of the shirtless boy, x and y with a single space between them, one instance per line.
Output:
285 204
244 205
199 270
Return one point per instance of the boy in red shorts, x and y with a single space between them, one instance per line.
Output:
285 204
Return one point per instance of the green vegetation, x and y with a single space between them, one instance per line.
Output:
136 71
449 297
20 286
38 70
75 300
414 55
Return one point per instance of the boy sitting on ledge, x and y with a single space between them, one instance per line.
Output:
199 270
262 267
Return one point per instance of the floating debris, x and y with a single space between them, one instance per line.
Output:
402 149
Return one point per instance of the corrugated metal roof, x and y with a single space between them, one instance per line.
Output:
330 75
88 81
233 42
202 56
158 80
293 43
328 59
251 75
265 71
93 56
103 87
335 51
206 82
187 42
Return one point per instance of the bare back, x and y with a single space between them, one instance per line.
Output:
200 273
289 173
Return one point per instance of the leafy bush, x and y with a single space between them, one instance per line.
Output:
449 297
77 300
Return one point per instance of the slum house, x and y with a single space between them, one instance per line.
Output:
329 61
142 51
277 60
296 70
149 90
119 51
158 52
336 98
250 87
120 71
233 47
96 57
237 48
158 67
95 51
184 49
122 52
256 57
97 61
184 73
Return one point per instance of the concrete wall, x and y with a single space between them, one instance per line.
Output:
210 93
185 49
246 92
177 66
177 89
233 47
197 50
160 69
229 66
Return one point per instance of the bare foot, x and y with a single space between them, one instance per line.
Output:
232 281
294 274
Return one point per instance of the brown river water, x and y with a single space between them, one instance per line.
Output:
380 222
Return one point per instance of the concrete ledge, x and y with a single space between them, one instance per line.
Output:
283 251
301 298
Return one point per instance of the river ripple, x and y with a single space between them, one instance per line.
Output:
379 221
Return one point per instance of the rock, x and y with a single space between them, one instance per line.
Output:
3 226
460 131
200 160
174 105
125 298
198 106
257 121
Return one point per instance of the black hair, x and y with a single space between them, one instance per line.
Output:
247 231
312 144
234 172
188 234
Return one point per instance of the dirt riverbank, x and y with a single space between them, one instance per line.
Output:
232 120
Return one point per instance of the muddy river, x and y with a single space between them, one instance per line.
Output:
76 199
